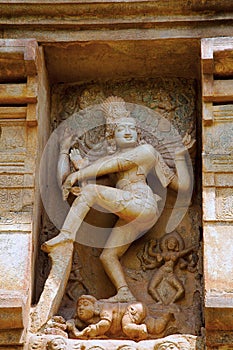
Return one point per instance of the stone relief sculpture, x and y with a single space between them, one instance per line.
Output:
172 345
175 342
36 344
56 344
131 200
129 161
98 318
171 252
56 326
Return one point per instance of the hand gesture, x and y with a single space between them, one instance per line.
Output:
67 185
77 159
188 143
90 331
70 325
142 332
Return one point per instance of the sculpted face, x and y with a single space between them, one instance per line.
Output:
85 309
57 344
172 243
126 133
168 346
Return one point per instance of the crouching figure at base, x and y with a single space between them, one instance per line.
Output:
99 319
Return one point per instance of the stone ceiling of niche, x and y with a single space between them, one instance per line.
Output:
96 61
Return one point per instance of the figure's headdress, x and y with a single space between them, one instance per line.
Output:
114 109
87 297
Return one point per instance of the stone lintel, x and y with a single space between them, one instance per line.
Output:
164 30
111 13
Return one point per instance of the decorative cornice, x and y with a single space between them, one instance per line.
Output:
91 14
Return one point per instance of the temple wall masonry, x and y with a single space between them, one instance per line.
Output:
68 71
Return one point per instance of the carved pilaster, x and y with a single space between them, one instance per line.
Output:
22 78
217 91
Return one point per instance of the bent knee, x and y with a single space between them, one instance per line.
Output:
104 256
108 255
89 193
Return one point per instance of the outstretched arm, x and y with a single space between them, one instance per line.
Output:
106 166
181 180
93 330
99 168
187 251
63 167
97 329
143 155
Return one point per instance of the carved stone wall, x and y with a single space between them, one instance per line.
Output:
177 342
164 38
217 189
23 107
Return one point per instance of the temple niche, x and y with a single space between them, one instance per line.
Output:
150 266
163 267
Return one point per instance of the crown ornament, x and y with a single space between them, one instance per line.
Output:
114 109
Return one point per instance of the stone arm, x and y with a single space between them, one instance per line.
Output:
182 180
104 167
97 329
141 156
92 330
149 266
150 246
63 167
159 257
187 251
72 330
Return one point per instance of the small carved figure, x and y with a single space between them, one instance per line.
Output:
168 346
56 326
171 253
132 200
98 318
176 344
36 343
58 343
